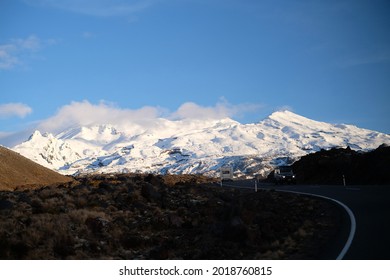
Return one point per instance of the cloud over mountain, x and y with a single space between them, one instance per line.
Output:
86 113
223 109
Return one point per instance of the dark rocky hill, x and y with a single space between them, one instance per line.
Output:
358 168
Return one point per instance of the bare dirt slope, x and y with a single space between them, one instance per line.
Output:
17 171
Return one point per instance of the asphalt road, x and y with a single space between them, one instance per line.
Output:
370 206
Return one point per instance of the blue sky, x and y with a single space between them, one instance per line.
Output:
326 60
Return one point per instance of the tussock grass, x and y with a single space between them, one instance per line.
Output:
155 217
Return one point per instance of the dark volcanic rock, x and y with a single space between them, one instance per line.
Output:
330 167
96 225
5 204
149 192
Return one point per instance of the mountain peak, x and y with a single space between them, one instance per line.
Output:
288 118
285 115
36 134
188 146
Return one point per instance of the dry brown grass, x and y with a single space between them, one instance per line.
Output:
17 171
142 217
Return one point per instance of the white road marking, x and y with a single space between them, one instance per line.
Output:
351 217
347 209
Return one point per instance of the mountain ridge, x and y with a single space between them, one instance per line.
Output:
17 171
193 146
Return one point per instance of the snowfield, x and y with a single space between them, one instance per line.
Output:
193 146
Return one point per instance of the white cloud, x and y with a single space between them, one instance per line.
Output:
192 110
223 109
285 108
8 58
101 8
14 109
12 52
31 43
86 113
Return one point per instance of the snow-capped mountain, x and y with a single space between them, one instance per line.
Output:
193 146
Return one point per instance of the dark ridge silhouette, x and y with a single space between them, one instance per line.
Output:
335 165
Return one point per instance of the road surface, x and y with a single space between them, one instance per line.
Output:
370 206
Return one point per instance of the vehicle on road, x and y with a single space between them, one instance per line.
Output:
226 173
284 174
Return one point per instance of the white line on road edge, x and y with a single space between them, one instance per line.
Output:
351 217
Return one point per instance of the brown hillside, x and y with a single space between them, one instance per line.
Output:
17 171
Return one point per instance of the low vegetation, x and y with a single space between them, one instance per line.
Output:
162 217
